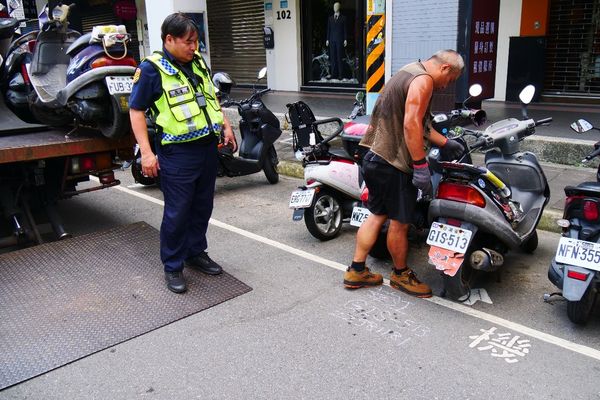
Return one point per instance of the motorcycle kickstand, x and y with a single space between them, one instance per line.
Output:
76 127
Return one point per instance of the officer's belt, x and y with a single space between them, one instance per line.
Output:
190 135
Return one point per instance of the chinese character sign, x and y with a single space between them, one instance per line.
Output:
505 345
482 49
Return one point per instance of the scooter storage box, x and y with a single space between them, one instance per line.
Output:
352 135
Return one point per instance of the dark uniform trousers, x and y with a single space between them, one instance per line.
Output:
188 173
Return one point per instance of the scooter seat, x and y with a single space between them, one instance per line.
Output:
49 84
81 42
341 153
584 189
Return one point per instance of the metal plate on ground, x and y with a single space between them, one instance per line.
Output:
66 300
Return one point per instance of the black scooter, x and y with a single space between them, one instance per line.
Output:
259 129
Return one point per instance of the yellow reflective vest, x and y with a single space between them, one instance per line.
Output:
178 112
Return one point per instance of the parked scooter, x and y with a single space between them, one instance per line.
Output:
479 213
259 129
334 189
359 108
56 75
575 268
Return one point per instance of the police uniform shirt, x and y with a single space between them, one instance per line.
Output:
146 90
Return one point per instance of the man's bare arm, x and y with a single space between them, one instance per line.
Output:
417 100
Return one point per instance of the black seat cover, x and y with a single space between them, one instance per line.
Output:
585 189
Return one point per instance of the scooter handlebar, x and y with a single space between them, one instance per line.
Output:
259 94
592 155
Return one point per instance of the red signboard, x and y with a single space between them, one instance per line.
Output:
125 9
483 45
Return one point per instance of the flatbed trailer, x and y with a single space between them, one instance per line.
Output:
40 166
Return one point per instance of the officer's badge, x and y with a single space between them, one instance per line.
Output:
136 76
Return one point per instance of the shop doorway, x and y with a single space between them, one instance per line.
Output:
332 64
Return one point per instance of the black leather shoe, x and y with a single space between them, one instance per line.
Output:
175 282
203 263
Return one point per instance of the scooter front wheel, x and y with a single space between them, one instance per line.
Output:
270 166
579 311
323 218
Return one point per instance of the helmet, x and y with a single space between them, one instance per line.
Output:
223 82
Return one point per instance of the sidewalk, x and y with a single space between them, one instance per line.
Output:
555 145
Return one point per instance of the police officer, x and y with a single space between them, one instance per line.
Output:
175 86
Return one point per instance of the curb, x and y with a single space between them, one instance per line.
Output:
547 149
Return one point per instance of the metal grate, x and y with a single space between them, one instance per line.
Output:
235 31
65 300
573 48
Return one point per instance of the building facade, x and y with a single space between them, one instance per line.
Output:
554 44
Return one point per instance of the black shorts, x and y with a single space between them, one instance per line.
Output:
391 191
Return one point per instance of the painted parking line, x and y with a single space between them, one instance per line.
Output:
565 344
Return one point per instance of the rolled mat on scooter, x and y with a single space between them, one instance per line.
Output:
66 300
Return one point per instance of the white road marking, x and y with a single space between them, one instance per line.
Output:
565 344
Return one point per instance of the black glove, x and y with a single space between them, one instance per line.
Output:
452 150
422 179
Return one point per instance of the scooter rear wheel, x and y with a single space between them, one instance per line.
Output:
323 218
380 250
116 124
579 311
457 287
270 166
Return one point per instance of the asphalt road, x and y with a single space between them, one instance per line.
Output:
300 334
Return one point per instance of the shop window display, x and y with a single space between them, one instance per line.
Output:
333 42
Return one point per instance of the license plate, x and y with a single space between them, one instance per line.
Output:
359 215
449 237
302 198
579 253
119 84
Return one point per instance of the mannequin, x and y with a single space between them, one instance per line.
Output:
336 40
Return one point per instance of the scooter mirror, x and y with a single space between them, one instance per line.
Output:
526 94
475 90
262 73
581 126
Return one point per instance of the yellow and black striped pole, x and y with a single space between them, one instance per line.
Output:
375 53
